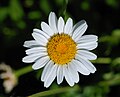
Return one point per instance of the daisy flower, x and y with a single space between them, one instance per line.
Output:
9 78
62 50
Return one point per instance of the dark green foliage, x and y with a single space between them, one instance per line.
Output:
19 17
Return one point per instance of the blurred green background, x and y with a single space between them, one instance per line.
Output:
19 17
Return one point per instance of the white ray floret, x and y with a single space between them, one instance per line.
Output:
60 25
68 26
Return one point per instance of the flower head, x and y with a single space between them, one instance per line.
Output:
10 80
62 50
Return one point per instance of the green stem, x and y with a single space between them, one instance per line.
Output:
102 61
115 80
23 71
55 91
63 10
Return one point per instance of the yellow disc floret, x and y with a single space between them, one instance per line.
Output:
61 48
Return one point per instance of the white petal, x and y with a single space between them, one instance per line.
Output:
79 31
68 26
61 24
80 67
87 45
72 68
88 38
41 32
86 54
32 57
68 76
36 50
40 38
86 63
30 43
78 24
60 74
46 28
40 63
53 22
46 70
5 75
51 76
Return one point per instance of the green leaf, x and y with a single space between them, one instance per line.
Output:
59 2
116 62
21 24
15 10
34 15
29 3
45 6
108 76
85 5
113 3
3 14
113 39
116 33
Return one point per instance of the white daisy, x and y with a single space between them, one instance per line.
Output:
62 50
8 77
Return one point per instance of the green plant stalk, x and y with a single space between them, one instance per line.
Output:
56 91
63 9
23 71
113 81
102 61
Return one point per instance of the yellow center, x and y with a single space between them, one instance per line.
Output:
61 48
